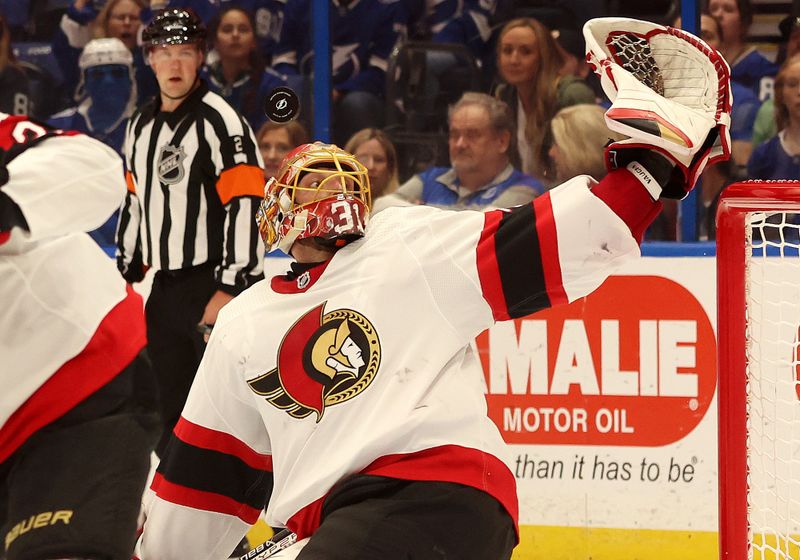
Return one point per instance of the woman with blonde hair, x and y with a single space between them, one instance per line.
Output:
530 64
579 138
373 148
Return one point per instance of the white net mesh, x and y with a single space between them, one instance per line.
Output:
773 407
634 55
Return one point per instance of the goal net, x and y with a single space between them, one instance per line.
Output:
758 283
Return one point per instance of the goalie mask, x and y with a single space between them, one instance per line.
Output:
320 192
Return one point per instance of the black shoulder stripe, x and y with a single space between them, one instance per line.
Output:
519 261
216 472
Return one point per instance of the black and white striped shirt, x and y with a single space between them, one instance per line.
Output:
195 180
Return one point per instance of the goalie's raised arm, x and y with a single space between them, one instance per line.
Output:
671 95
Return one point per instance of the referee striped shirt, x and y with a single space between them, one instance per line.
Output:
195 180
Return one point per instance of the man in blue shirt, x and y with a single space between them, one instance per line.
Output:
481 174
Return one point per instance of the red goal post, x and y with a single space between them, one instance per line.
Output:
758 317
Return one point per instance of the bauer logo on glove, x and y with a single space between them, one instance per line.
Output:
670 92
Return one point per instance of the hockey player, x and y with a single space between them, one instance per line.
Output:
76 423
345 395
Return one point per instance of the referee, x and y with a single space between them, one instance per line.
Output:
195 178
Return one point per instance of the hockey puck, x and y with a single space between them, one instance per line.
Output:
282 105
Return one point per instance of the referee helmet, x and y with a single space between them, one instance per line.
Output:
176 26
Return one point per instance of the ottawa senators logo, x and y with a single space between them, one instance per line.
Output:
324 359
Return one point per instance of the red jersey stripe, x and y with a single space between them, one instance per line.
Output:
307 520
119 337
206 501
548 243
488 269
628 199
446 463
214 440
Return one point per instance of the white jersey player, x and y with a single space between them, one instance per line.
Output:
345 396
76 422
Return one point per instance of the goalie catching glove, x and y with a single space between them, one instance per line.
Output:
670 92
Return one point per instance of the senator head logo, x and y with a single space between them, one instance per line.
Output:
324 359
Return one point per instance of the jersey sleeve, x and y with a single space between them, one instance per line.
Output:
216 473
62 183
240 186
554 250
129 242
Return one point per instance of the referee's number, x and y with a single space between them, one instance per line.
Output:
344 212
238 146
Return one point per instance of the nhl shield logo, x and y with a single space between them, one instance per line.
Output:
339 357
170 164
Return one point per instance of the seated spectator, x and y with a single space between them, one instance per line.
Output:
481 175
716 177
745 104
764 127
107 97
362 37
580 135
748 67
237 73
275 140
17 15
572 48
779 157
106 93
15 93
463 22
373 148
120 19
268 16
530 63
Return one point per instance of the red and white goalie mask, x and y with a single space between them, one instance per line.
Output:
321 192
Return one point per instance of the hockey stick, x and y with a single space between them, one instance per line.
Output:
281 540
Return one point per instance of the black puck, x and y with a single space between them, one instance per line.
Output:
282 105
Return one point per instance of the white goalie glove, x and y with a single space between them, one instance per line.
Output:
670 92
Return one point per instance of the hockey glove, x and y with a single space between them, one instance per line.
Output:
670 92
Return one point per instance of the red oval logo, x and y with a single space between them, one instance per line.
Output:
632 364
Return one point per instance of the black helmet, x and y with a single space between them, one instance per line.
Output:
174 27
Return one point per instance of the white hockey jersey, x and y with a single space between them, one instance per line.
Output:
364 364
69 324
